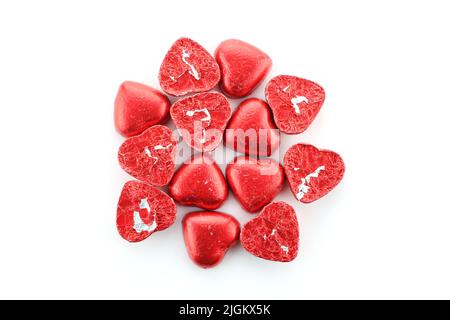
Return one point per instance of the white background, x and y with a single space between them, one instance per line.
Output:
384 232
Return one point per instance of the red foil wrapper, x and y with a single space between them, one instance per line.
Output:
242 67
255 183
188 68
294 101
251 129
150 156
199 182
202 119
143 210
274 234
138 107
208 235
311 172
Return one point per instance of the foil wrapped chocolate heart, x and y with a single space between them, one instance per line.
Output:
209 235
242 66
150 156
188 68
255 183
311 172
294 101
274 234
143 210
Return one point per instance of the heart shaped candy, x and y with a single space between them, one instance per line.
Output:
143 210
188 68
138 107
251 129
150 156
199 182
294 101
255 183
274 234
311 172
242 67
208 236
201 119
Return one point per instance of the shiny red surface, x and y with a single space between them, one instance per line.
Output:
163 209
199 182
255 183
274 234
156 169
138 107
302 159
251 129
279 94
175 75
208 235
242 67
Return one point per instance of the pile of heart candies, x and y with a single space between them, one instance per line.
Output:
204 120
